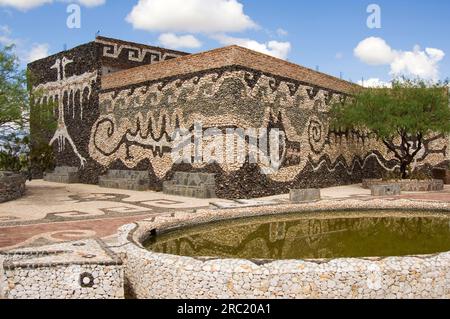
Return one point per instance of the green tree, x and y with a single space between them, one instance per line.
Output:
14 154
17 149
14 104
402 117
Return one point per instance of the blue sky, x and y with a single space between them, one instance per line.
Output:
412 40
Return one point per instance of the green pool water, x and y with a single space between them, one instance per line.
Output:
310 236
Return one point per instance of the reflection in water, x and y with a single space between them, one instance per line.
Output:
295 236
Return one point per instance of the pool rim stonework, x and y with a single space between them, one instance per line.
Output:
145 264
193 228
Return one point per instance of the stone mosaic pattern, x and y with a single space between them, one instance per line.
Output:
136 124
131 127
72 79
78 270
149 275
53 213
153 275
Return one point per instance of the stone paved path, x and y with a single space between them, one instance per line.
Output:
52 213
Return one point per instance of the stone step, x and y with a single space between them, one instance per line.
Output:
64 175
127 174
65 169
188 191
129 180
198 185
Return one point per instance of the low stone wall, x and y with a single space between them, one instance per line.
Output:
12 186
125 179
78 270
304 195
197 185
154 275
385 190
408 185
64 175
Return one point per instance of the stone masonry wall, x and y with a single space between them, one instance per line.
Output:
164 276
136 125
126 120
72 81
76 270
157 276
12 186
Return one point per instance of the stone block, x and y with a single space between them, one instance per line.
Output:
385 189
304 195
64 175
126 179
12 186
409 185
367 183
197 185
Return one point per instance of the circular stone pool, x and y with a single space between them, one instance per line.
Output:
358 249
310 236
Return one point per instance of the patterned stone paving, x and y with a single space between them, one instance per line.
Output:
53 213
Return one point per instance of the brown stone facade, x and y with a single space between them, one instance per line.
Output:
133 115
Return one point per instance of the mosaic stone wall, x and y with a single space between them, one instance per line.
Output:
76 270
71 80
132 127
136 124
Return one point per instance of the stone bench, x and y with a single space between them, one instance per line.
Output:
385 189
409 185
63 174
197 185
12 186
304 195
126 179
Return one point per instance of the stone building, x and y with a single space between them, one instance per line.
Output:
121 106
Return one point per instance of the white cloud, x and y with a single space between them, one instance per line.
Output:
416 63
374 83
22 49
193 16
173 41
274 48
37 52
25 5
5 36
374 51
91 3
423 64
339 56
5 29
281 32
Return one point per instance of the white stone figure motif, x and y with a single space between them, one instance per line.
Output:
70 85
